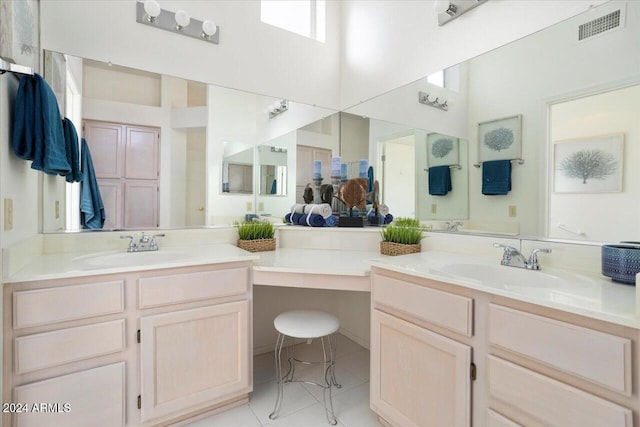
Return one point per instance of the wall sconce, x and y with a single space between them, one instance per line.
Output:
150 13
278 107
448 10
423 98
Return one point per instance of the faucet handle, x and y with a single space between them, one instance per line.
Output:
507 248
533 258
508 252
154 244
132 245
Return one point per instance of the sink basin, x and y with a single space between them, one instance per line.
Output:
125 259
503 276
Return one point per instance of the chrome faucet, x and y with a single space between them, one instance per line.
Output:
145 244
513 258
453 225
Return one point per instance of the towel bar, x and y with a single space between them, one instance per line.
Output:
456 166
519 161
14 68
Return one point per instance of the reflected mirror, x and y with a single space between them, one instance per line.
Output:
536 77
273 170
237 168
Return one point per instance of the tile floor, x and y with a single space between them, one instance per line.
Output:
302 405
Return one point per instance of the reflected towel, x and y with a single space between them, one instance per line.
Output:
92 213
323 209
310 220
439 180
37 128
496 177
388 219
71 148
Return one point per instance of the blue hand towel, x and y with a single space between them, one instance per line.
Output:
496 177
37 128
71 148
92 213
439 180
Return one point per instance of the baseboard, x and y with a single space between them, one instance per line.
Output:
355 338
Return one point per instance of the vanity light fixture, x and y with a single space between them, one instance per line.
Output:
278 150
449 10
423 98
150 13
278 107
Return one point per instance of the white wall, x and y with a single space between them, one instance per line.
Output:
251 55
386 44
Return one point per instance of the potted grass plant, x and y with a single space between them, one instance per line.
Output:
256 236
402 237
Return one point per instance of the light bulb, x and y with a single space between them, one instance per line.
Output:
276 105
152 9
209 28
271 109
182 19
441 5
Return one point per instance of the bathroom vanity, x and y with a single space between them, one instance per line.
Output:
135 343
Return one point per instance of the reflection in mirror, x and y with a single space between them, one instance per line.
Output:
197 126
237 168
530 77
273 170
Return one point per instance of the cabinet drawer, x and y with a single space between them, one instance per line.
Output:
51 305
494 419
180 288
598 357
450 311
550 401
95 397
40 351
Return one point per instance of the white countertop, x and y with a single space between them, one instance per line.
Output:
590 295
60 266
317 261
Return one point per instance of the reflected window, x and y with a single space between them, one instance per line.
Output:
304 17
436 78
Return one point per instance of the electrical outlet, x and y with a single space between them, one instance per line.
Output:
8 214
249 206
261 206
512 211
434 208
57 209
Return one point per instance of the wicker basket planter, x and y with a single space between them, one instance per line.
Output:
391 248
258 245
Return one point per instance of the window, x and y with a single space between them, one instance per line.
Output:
304 17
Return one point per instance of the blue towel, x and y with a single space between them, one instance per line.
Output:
71 148
388 219
439 180
37 128
274 187
92 213
496 177
315 220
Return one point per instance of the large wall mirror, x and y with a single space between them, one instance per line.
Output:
574 92
212 154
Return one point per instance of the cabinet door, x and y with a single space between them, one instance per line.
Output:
418 377
194 358
141 153
140 203
111 193
105 144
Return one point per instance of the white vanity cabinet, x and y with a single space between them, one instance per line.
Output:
140 348
420 377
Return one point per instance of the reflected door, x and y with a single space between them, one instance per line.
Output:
399 180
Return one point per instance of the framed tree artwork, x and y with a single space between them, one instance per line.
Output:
500 139
588 165
442 150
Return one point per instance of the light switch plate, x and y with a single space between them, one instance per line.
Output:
8 214
261 206
512 211
249 206
57 209
434 208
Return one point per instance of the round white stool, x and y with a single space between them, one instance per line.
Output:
307 324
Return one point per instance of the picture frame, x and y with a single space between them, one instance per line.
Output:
592 164
442 150
500 139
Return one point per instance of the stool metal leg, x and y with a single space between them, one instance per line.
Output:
328 366
332 350
279 379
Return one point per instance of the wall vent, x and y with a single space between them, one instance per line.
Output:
599 25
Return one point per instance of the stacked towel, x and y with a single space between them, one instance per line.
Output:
496 177
439 180
37 128
71 148
92 213
310 220
323 209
